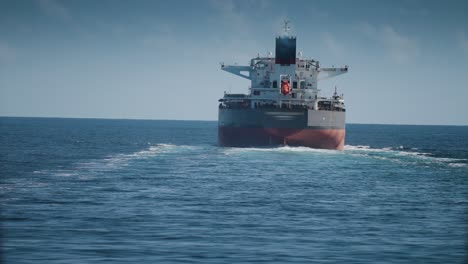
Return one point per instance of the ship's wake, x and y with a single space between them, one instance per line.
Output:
91 168
400 154
404 155
114 162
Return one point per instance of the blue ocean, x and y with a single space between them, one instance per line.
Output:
141 191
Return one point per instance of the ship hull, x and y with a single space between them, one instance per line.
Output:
255 127
313 138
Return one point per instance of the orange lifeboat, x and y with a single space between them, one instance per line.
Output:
285 89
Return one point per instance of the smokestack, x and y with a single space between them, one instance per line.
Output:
285 50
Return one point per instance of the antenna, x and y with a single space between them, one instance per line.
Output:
286 26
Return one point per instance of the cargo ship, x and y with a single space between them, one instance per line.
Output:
283 105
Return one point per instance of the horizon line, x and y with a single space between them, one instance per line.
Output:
211 120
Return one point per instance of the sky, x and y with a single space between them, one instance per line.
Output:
408 60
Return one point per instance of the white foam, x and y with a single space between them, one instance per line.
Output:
358 147
281 149
116 161
458 165
64 174
122 160
306 149
400 154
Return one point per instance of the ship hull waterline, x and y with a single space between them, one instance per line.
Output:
264 137
245 127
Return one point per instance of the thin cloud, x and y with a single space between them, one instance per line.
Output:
420 12
231 5
336 48
463 43
238 37
54 9
366 29
231 14
400 48
161 36
7 53
262 4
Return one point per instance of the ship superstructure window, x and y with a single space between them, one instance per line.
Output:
294 84
275 84
302 85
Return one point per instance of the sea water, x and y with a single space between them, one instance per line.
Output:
136 191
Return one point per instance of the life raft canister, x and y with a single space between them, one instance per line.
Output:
285 87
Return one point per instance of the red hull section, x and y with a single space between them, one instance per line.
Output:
313 138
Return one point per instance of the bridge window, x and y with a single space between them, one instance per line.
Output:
275 84
302 85
294 84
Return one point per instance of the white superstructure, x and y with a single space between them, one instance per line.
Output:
285 79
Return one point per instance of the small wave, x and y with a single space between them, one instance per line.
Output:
116 161
458 165
152 150
63 174
403 154
350 147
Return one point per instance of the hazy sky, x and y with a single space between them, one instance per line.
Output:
160 59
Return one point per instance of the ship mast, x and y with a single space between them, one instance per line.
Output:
286 27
